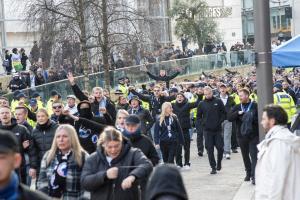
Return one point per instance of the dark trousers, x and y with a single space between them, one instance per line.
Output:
214 139
168 151
186 147
234 143
200 140
249 154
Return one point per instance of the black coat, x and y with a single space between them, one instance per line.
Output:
182 110
94 179
155 103
42 138
211 114
146 118
166 78
143 143
20 131
110 107
16 84
229 105
234 116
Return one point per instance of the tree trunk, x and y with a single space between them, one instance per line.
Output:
200 46
83 44
105 46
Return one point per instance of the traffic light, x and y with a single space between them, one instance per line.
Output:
288 12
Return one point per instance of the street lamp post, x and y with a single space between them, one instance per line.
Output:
263 56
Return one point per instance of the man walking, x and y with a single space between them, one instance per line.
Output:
246 119
277 169
211 114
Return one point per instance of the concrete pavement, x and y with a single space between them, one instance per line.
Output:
227 184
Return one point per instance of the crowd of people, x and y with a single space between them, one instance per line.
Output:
92 147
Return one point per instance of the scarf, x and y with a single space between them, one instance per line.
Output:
132 135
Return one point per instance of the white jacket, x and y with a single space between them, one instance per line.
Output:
278 166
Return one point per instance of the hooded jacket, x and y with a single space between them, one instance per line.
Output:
42 137
94 179
277 169
166 180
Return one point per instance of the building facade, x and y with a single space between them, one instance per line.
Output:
284 19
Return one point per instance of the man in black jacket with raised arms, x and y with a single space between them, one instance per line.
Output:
211 114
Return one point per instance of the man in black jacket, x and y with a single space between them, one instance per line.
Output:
182 108
163 77
143 114
133 132
248 140
138 140
99 100
10 160
21 133
16 83
211 114
228 102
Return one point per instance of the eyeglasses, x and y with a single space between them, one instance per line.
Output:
56 107
156 90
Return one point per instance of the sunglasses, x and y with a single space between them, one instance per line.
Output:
56 107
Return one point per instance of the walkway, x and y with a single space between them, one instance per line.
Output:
228 184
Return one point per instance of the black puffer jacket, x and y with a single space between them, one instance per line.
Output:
166 181
94 179
42 137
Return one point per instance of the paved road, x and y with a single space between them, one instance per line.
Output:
228 184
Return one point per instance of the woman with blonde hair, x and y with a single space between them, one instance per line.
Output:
114 171
62 165
168 133
120 119
42 138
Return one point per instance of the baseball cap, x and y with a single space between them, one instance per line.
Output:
32 102
8 142
278 86
132 119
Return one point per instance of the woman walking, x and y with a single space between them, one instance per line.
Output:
168 133
62 165
113 171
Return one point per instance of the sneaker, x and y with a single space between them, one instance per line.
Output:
186 167
213 171
179 167
227 156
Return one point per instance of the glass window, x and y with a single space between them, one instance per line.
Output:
278 22
274 22
283 21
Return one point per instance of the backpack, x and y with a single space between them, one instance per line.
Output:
247 121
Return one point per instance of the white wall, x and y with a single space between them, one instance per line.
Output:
296 17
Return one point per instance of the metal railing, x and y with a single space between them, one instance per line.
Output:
188 66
